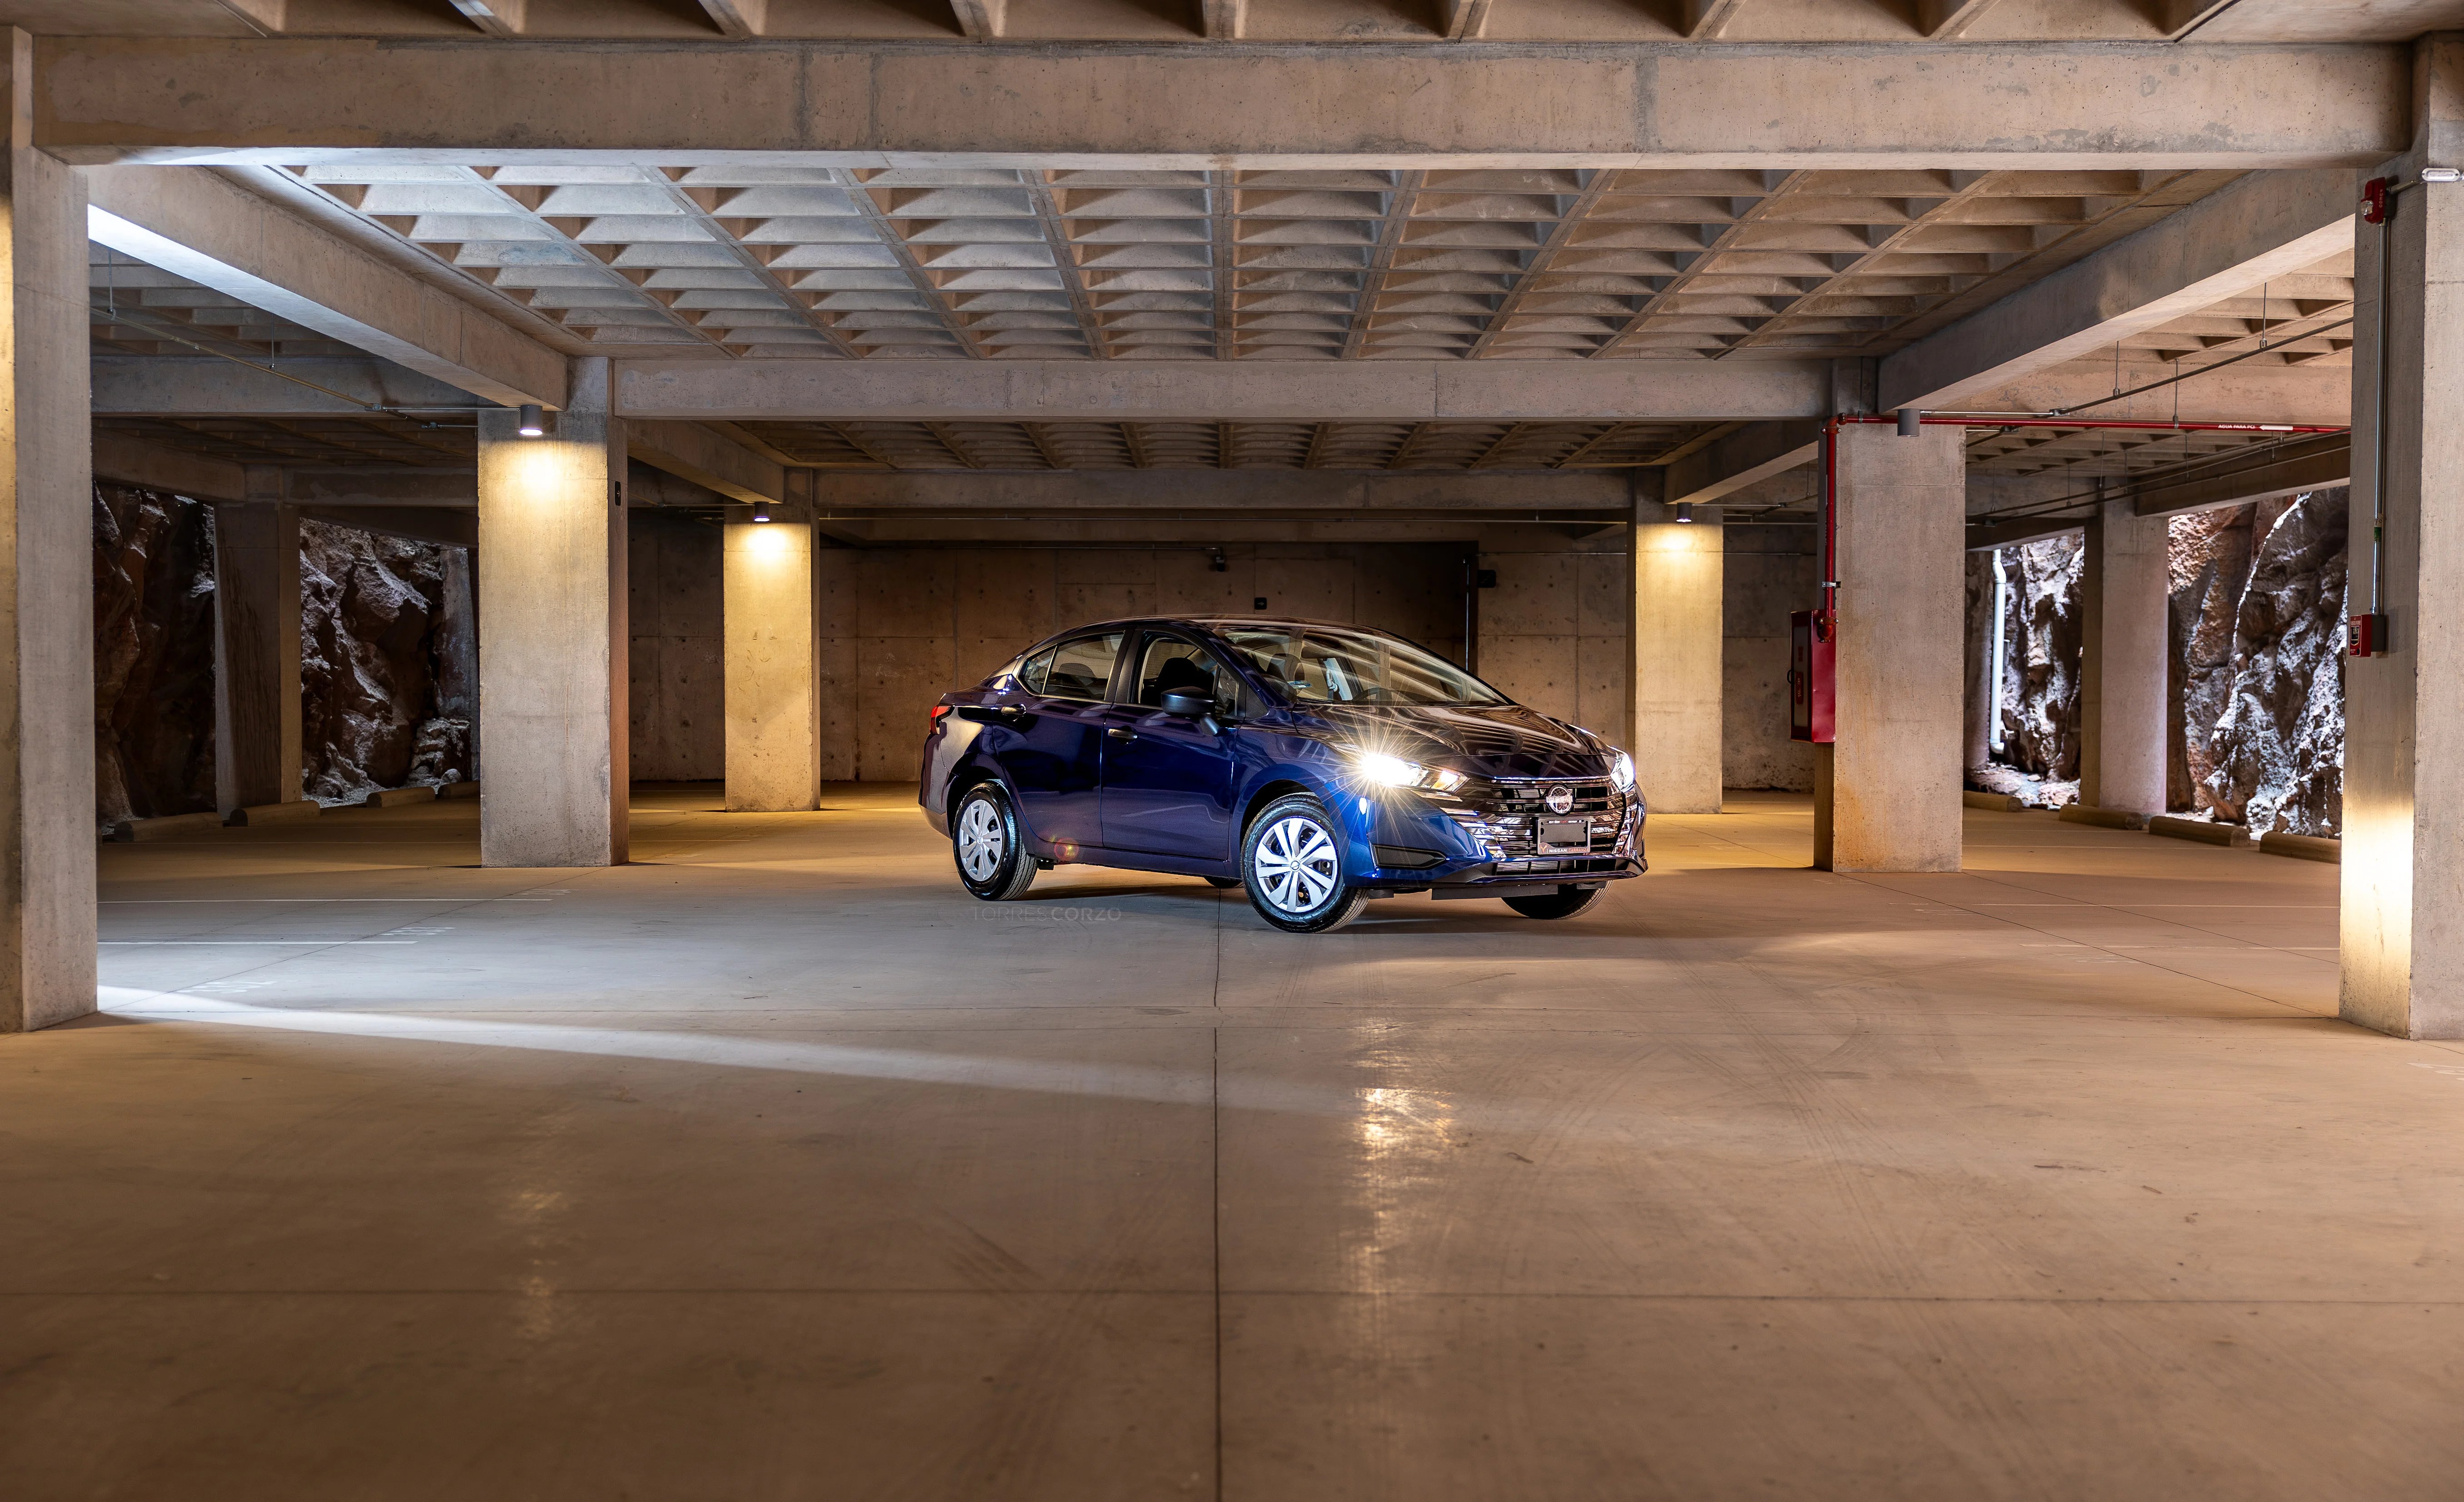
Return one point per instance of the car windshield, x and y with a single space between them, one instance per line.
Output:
1328 665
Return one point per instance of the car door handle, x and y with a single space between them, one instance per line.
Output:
1119 734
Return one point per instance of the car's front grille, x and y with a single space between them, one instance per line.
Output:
1505 817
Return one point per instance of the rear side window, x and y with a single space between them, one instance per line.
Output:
1036 670
1078 669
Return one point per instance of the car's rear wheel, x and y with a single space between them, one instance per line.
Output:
1564 902
984 839
1292 861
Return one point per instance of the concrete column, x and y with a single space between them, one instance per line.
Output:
1677 626
773 658
2123 685
46 858
2403 868
256 647
552 647
1886 790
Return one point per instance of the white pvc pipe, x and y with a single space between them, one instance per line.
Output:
1993 664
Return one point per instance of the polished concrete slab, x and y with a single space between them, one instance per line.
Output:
772 1165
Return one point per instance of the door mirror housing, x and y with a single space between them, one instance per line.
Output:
1188 705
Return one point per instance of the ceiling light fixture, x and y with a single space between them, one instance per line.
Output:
532 423
760 511
1684 511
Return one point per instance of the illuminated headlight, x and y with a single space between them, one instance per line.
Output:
1621 772
1381 770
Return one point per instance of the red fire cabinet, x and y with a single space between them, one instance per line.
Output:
1810 677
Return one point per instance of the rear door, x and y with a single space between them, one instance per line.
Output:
1168 781
1053 753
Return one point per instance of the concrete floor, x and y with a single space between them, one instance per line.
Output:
774 1167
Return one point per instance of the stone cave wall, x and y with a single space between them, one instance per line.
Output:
2257 652
2042 624
153 654
388 662
2257 731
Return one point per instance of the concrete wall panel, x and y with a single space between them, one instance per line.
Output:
897 679
677 710
1768 577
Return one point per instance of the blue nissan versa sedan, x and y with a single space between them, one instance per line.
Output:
1318 765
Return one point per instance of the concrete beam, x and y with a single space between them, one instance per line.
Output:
2320 462
691 452
2260 227
2301 395
454 527
2055 105
1237 492
211 230
1751 454
162 386
132 461
1985 539
375 487
906 531
1201 391
2304 395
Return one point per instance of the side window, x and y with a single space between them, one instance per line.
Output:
1036 670
1174 665
1170 664
1082 668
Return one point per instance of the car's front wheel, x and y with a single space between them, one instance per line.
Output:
993 860
1292 864
1564 902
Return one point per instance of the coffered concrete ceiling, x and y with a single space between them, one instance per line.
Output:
1338 21
1357 264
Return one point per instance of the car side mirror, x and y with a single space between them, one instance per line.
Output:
1188 705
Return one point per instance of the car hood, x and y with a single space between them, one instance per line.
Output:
1501 740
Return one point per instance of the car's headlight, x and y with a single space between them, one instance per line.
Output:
1621 772
1377 768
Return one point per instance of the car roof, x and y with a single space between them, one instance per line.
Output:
1216 621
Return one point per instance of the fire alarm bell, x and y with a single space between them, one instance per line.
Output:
1810 677
2374 200
2366 636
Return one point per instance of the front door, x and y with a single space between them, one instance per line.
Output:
1168 779
1052 747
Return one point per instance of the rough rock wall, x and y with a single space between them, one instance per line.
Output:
387 662
153 654
2043 628
2207 560
2258 620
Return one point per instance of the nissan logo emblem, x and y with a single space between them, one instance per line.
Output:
1561 800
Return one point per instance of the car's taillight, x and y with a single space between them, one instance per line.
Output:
938 710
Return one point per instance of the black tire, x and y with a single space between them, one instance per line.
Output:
1564 902
1223 883
985 832
1292 861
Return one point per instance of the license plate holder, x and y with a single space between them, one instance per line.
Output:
1558 835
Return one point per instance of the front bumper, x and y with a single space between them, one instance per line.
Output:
1407 842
